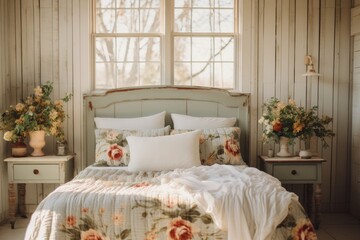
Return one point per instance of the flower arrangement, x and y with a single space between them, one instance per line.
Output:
36 112
289 120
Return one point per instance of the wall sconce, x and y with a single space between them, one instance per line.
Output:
310 70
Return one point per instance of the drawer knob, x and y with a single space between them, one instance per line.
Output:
36 172
293 172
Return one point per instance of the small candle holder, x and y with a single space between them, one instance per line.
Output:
61 148
270 153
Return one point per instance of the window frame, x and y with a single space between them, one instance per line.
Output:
167 36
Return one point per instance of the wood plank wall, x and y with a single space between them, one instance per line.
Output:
355 147
285 32
3 80
49 40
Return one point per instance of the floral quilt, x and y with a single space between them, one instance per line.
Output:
112 203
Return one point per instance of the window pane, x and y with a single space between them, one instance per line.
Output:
127 21
149 49
224 75
105 3
182 74
150 20
182 48
224 21
127 74
127 49
202 3
182 20
105 21
104 75
201 48
150 4
224 49
127 3
224 3
150 74
105 49
201 74
202 20
182 3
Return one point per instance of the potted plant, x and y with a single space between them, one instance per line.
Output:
36 116
285 122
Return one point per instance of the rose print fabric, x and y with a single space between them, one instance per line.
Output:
219 145
112 148
110 203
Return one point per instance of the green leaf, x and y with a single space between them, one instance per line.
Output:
125 233
206 219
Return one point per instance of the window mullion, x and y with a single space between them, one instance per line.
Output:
168 45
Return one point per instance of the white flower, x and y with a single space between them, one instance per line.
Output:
8 136
261 120
19 107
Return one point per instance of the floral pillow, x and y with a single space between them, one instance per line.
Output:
112 149
219 145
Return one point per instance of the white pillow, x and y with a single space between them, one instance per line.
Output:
140 123
164 152
191 123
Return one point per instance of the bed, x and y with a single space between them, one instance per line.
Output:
176 169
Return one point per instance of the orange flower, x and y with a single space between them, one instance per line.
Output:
179 229
71 221
277 127
298 126
304 231
115 152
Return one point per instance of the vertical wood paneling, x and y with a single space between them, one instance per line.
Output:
3 79
50 41
355 133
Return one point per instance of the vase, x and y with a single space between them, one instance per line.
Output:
37 142
19 149
284 147
306 154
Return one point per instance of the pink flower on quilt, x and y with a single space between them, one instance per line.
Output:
111 135
179 229
118 219
304 231
92 234
71 221
142 184
115 152
151 235
231 146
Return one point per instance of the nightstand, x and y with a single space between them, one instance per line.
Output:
295 170
46 169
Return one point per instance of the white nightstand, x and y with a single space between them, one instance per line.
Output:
295 170
46 169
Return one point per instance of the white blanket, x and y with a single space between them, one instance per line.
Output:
242 200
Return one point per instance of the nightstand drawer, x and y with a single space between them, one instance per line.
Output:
296 172
36 172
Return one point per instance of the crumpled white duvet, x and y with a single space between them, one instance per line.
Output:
242 200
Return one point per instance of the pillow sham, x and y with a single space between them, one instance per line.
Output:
218 145
112 149
164 152
140 123
191 123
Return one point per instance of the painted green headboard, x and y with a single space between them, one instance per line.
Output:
144 101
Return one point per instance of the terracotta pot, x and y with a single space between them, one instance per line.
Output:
37 142
19 149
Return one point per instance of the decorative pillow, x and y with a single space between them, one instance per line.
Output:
165 152
140 123
219 145
192 123
112 148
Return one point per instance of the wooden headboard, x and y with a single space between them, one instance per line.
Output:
144 101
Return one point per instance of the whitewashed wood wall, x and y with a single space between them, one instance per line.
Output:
355 147
48 40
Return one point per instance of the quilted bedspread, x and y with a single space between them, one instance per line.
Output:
205 202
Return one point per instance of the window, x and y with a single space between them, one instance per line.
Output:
153 42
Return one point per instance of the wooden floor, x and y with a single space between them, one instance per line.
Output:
333 227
